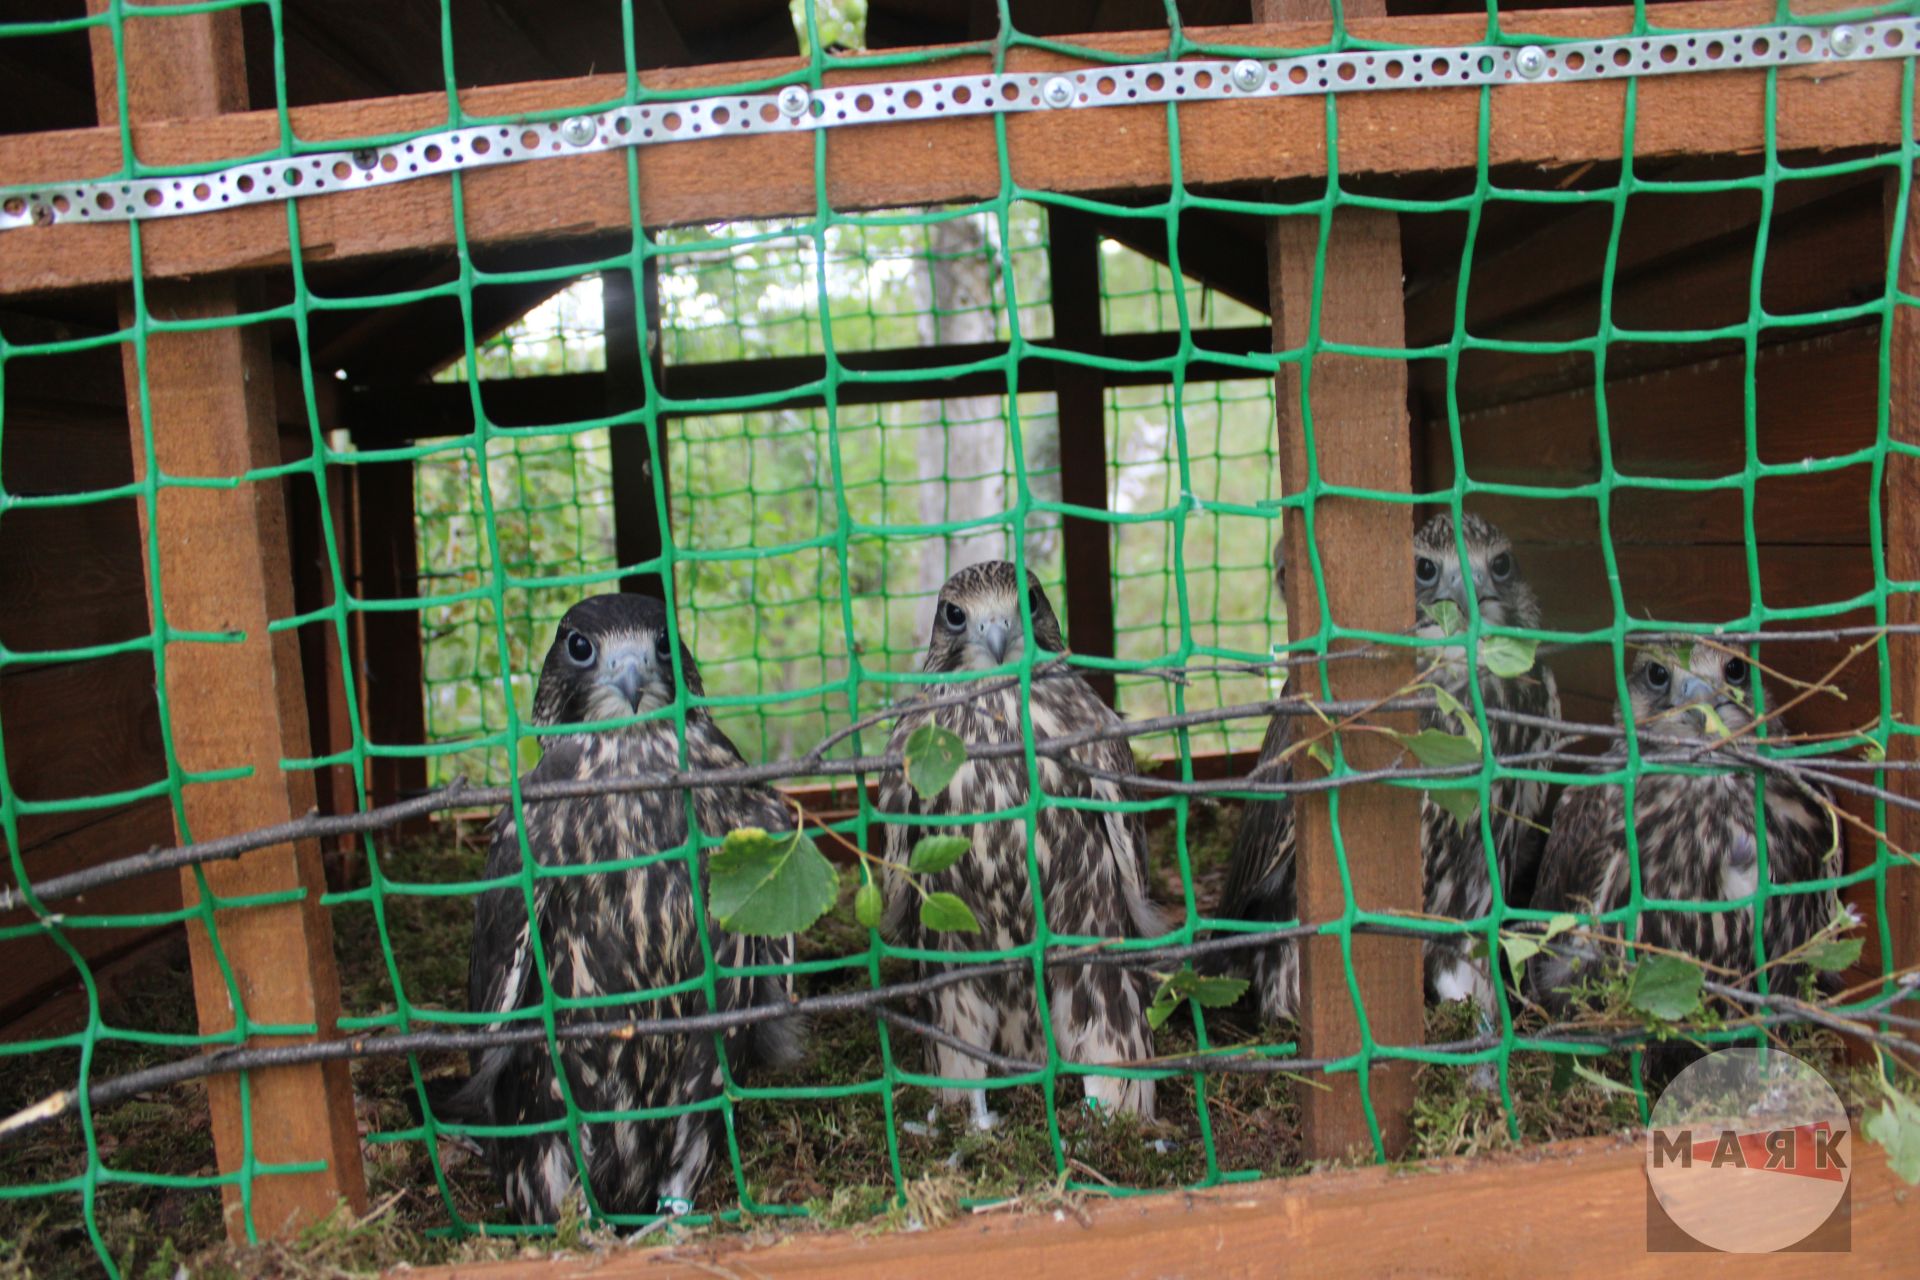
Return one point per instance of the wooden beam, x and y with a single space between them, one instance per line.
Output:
631 332
1358 553
921 163
1541 1211
225 566
392 676
1080 399
1901 502
391 414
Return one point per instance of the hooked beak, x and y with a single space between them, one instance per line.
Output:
995 634
628 668
1694 696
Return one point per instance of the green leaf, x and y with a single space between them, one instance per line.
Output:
1666 987
769 887
1599 1081
1462 802
1446 615
1558 925
867 905
1438 748
934 755
1835 954
946 913
1519 948
1873 751
1715 725
1318 753
1208 993
1463 717
936 853
1896 1127
1507 656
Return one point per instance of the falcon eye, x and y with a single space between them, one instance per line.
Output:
1036 602
663 650
1735 671
580 649
1501 567
1426 571
953 616
1658 676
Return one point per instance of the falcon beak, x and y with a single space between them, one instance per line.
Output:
628 668
995 634
1693 695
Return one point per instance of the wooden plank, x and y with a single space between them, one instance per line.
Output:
764 176
632 325
1901 504
48 760
392 675
1080 400
1540 1212
395 413
226 568
1360 436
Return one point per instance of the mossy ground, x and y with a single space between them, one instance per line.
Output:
827 1153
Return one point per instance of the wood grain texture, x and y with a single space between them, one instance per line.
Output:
1564 1209
1358 552
391 673
226 568
1086 152
1901 508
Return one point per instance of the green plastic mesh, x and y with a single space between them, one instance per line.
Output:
802 542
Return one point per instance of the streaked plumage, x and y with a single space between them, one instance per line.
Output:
1092 865
616 931
1696 835
1260 879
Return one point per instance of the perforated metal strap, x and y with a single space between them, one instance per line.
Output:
797 108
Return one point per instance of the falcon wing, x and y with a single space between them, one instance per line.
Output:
1126 831
1259 884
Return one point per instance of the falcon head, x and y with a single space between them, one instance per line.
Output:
976 620
1505 598
610 659
1673 691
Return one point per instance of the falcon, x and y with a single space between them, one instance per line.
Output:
1092 862
1260 878
604 933
1696 834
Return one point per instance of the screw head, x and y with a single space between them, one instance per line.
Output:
793 101
1248 74
1057 92
1843 40
365 158
1530 62
579 130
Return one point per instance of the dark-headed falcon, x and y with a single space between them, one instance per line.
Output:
1260 879
1696 833
629 929
1092 862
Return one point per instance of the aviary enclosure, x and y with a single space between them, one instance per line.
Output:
344 346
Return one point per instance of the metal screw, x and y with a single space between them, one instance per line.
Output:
1247 74
365 159
579 130
42 213
1058 92
1843 40
1530 62
794 101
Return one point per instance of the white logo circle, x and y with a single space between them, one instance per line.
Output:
1749 1150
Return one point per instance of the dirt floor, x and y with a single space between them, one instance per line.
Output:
829 1156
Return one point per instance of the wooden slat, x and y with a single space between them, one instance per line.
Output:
1357 552
1080 400
40 708
1425 131
227 568
392 675
1901 504
1544 1212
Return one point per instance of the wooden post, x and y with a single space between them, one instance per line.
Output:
637 535
1360 437
225 567
392 697
1073 264
1900 502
